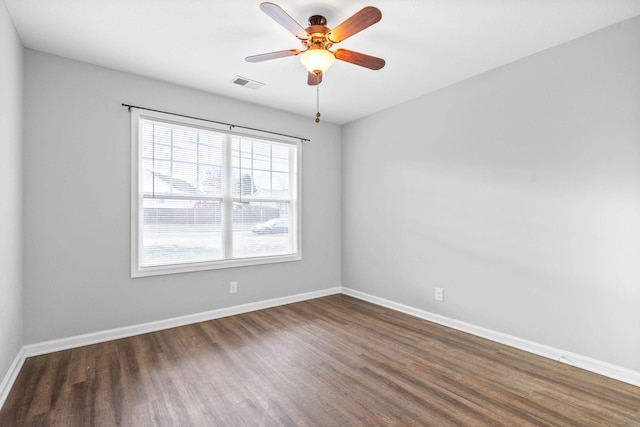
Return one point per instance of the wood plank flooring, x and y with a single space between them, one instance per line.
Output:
332 361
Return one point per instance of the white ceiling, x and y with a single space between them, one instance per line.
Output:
428 44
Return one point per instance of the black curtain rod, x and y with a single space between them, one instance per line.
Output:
219 123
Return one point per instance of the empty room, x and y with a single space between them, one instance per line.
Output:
320 213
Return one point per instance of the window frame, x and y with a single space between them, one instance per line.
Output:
137 197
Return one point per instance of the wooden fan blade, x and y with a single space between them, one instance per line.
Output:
314 79
359 21
283 18
360 59
272 55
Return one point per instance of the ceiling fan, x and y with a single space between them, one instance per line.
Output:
317 38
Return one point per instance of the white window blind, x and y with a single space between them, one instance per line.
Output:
205 197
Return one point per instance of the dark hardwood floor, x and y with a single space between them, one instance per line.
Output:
333 361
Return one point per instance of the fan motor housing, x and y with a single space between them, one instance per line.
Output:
318 30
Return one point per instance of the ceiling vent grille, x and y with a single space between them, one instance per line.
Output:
248 83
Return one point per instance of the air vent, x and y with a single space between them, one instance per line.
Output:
248 83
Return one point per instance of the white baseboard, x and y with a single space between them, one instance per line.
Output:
599 367
10 377
129 331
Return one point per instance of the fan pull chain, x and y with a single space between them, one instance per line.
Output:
317 97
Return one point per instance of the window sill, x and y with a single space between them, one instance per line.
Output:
213 265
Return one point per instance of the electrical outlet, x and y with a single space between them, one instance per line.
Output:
233 287
439 294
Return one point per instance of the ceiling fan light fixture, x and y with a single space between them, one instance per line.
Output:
317 60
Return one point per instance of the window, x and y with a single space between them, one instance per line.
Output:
205 197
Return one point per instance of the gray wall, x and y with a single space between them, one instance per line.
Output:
77 209
517 191
11 70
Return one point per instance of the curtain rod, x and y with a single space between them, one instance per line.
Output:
219 123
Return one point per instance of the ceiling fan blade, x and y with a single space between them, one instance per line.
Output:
357 22
272 55
314 79
360 59
283 18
